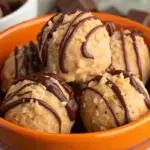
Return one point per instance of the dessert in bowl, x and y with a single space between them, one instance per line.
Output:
80 59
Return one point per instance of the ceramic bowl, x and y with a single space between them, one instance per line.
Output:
135 135
27 11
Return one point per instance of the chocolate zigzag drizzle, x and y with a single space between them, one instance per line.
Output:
66 39
31 60
117 91
35 57
110 27
16 62
44 46
15 93
106 101
135 84
41 33
44 79
124 50
26 60
52 87
133 35
63 50
4 109
84 44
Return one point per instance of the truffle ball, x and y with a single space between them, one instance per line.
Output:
22 61
41 102
112 100
130 53
75 46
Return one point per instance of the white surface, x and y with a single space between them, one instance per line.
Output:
25 12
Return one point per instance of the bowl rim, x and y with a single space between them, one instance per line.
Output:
29 132
17 11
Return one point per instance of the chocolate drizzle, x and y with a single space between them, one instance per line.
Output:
26 60
110 27
16 62
62 51
11 95
106 101
4 109
44 46
66 39
52 87
133 35
39 37
124 50
83 47
35 57
134 83
117 91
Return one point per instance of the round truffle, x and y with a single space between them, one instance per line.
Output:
22 61
130 53
41 102
75 46
112 100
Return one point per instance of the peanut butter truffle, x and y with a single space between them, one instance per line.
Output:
130 53
41 102
22 61
75 46
112 100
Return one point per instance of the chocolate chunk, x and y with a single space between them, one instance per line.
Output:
5 7
139 16
69 5
113 11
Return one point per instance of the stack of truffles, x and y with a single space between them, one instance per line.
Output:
109 66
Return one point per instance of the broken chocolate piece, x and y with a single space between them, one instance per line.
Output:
139 16
68 5
113 11
5 7
146 21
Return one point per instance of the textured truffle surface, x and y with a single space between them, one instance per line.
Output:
40 109
111 100
22 61
136 53
63 43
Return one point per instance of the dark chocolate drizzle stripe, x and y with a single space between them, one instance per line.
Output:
41 33
117 91
26 59
62 53
62 43
64 85
111 27
124 50
133 36
35 57
106 101
15 93
22 94
16 62
44 46
54 88
135 84
84 44
4 109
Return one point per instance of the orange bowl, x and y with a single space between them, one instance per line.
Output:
135 135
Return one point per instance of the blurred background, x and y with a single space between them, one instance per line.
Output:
15 11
